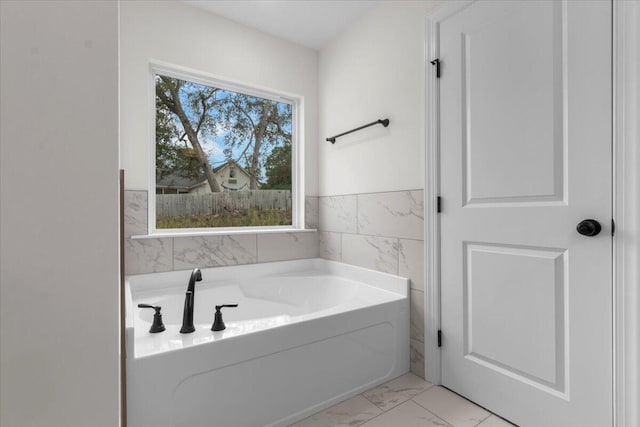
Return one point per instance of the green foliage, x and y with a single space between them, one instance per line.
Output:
246 218
278 169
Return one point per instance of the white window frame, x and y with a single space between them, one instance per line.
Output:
297 150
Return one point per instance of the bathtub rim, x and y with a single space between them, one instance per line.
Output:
168 280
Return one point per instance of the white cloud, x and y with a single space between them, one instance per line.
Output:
213 149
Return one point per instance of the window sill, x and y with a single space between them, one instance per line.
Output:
225 232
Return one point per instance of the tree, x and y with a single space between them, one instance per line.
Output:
278 168
255 127
198 116
173 157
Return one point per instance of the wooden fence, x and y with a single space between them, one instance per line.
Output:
172 205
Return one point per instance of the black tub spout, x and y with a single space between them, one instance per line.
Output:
187 316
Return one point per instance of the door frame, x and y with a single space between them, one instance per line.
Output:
626 205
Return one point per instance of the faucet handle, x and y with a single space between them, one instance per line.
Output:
218 307
218 323
157 325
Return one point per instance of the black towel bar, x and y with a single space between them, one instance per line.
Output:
383 122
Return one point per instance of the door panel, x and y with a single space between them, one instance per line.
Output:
530 116
525 147
500 336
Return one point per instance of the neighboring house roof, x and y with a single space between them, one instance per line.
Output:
187 183
231 163
178 181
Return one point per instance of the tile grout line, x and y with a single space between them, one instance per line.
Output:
368 192
485 418
473 403
399 403
371 235
467 400
384 411
357 214
402 403
398 258
433 413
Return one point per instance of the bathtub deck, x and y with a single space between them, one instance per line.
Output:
407 401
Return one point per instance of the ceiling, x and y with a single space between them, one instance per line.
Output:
311 23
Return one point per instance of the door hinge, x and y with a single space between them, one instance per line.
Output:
436 62
613 227
439 204
439 338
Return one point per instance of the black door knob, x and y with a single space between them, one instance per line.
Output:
589 227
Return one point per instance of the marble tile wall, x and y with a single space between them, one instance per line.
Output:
384 232
151 255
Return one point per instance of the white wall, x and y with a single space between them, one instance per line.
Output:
375 70
58 214
175 33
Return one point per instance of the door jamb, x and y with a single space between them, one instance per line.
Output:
626 206
626 211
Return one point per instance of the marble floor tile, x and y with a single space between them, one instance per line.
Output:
350 413
450 407
408 414
397 391
495 421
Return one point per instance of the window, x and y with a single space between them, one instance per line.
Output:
228 152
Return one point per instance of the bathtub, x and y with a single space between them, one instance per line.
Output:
306 335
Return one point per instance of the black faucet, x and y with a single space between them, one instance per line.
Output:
157 325
187 316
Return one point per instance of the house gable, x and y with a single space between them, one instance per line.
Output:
233 177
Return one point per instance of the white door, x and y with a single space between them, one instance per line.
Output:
525 150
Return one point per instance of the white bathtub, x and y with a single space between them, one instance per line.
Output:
306 335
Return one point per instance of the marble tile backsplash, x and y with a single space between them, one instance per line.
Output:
311 219
152 255
287 246
148 255
338 213
399 214
384 232
376 253
135 213
213 251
